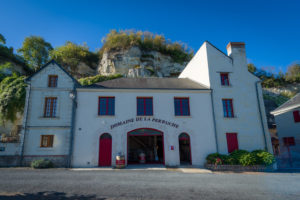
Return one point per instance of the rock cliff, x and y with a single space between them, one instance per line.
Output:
133 62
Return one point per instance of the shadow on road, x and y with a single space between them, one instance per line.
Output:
49 195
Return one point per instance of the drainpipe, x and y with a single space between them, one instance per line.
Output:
214 119
74 106
25 123
260 115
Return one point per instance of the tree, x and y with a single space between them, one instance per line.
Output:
2 39
12 97
293 73
71 54
252 68
35 51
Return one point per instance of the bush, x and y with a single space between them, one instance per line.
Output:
247 159
236 156
263 157
216 158
42 164
98 78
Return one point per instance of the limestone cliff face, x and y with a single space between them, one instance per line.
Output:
134 62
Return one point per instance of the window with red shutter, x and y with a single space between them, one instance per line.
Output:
289 141
232 142
296 114
224 79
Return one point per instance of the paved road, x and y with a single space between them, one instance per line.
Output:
17 184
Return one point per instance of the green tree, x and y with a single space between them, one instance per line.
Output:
35 51
293 73
252 68
2 39
12 97
71 54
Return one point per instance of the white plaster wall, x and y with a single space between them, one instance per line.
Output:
89 126
37 125
61 141
287 127
11 149
197 69
242 90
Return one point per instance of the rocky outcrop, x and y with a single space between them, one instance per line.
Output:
134 62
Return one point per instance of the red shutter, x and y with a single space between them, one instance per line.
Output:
296 116
232 142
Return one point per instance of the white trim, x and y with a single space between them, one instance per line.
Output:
283 110
142 90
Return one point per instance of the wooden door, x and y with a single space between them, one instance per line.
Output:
105 145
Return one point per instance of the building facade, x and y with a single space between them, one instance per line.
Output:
287 117
215 105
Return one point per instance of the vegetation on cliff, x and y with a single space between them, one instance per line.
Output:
116 40
98 78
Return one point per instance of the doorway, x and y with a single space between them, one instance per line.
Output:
185 149
105 145
145 146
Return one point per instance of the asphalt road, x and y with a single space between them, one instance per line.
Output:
23 184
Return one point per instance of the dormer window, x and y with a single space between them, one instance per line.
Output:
52 80
224 79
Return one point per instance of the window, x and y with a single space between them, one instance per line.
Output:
50 107
296 114
52 80
47 140
228 108
106 106
224 79
232 142
289 141
182 106
144 106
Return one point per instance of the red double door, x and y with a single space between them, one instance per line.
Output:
105 145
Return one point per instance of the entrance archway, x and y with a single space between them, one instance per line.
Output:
185 149
148 142
105 144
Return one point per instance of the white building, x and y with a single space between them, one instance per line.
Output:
215 105
287 117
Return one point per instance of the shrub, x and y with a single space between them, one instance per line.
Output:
263 157
247 159
236 156
216 158
98 78
42 164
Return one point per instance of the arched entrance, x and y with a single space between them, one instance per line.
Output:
105 144
185 149
148 142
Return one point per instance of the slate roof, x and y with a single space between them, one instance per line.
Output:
293 102
149 83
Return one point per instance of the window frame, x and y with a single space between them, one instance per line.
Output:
296 115
181 111
144 113
51 107
50 77
223 82
107 108
289 141
227 110
50 141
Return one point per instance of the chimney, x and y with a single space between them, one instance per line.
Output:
236 50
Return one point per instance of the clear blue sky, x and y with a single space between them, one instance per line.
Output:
270 29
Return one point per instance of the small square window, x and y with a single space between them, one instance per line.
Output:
224 79
144 106
106 106
52 80
289 141
182 106
47 140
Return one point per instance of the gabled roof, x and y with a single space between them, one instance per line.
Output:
290 104
48 63
149 83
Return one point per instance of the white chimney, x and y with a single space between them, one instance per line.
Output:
236 50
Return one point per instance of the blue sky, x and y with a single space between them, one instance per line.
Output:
270 29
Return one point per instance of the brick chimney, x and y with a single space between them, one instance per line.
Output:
236 50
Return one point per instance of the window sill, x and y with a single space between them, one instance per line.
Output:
106 116
230 117
46 148
183 116
226 86
54 118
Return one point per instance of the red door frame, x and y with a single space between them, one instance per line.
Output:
99 164
189 139
161 134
